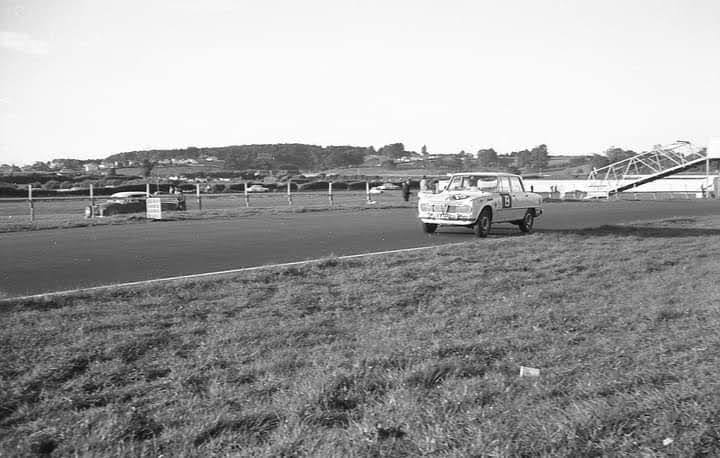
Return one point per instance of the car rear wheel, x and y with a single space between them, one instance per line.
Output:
526 225
429 228
484 222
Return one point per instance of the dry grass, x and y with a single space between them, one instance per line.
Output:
410 354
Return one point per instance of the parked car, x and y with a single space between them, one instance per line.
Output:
477 200
257 188
388 187
132 202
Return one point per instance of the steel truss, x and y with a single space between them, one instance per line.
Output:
658 163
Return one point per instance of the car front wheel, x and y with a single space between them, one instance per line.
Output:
526 225
484 222
429 228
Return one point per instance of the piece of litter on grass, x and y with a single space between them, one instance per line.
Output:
529 372
667 441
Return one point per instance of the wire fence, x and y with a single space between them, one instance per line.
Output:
18 211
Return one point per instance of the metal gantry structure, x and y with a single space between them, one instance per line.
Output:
661 161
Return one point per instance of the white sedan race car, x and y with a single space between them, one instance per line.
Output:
477 200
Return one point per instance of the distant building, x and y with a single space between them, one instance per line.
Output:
91 167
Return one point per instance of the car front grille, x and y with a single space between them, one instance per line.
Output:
445 208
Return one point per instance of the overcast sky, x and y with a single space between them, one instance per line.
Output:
86 79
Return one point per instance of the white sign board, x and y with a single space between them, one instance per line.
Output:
154 208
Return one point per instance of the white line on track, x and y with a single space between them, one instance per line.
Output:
219 273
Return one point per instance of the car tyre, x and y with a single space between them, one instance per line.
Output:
527 223
484 223
429 228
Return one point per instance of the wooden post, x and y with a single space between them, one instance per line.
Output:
92 202
31 204
197 194
367 191
147 189
289 194
330 196
247 197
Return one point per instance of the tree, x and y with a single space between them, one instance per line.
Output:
147 167
618 154
467 161
539 157
487 157
40 166
388 164
522 158
598 161
51 184
393 150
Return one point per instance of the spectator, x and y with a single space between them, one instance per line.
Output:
406 190
423 184
180 199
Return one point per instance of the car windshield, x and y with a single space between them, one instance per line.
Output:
487 183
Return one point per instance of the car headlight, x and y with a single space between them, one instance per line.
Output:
425 207
459 209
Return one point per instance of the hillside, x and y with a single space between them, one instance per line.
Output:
269 156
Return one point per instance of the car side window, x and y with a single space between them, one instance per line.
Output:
516 184
504 184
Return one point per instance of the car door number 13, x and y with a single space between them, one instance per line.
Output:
506 201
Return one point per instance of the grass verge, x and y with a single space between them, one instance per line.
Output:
74 221
409 354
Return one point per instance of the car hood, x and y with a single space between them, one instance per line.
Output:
455 196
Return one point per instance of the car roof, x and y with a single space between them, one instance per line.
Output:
129 194
495 174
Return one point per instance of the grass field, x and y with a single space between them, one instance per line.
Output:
401 355
68 213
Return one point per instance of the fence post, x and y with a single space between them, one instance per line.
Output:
92 201
289 194
247 197
367 191
197 194
31 204
330 196
147 189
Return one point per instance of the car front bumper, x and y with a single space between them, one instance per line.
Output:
448 219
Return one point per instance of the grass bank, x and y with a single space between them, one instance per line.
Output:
409 354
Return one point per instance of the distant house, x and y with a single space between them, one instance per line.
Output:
184 161
91 167
211 159
66 171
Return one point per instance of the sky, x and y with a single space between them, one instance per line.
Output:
86 79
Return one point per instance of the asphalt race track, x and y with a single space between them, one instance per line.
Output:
53 260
